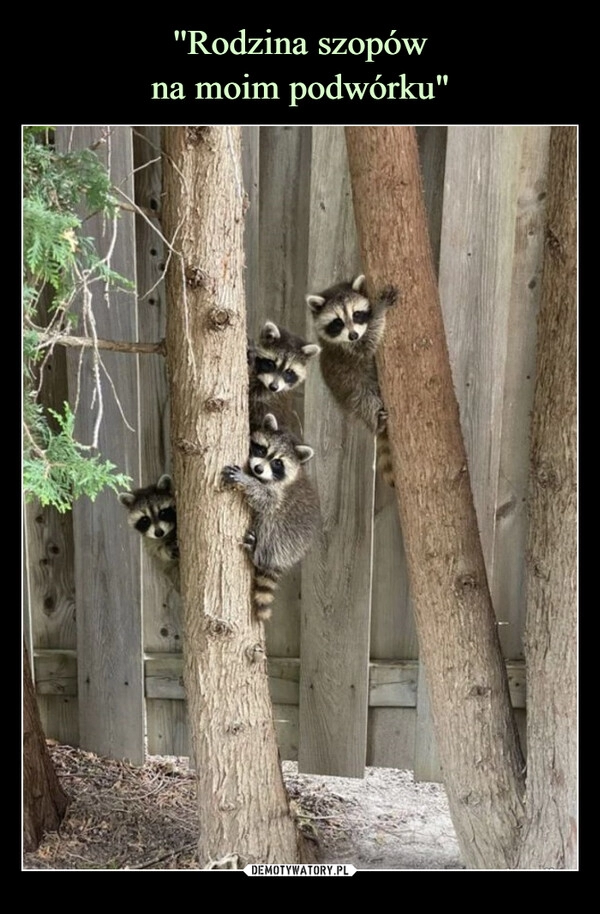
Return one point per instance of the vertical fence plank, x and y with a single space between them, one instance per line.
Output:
508 581
161 606
475 283
282 245
251 174
50 566
109 637
51 607
475 276
426 764
336 576
393 633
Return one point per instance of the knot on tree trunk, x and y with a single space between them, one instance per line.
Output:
217 628
220 318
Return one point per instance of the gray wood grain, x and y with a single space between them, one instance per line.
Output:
161 605
283 207
336 576
510 542
476 264
109 636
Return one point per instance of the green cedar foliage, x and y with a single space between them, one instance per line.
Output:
59 192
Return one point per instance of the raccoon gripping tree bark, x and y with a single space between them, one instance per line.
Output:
475 730
243 805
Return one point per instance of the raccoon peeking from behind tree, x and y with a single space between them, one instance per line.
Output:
152 512
350 328
284 505
277 364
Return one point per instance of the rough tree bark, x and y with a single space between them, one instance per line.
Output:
44 802
475 730
551 624
242 802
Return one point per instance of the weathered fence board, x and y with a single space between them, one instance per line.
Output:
109 637
393 632
250 175
50 563
508 581
346 683
281 254
336 576
392 684
399 732
426 761
161 606
475 278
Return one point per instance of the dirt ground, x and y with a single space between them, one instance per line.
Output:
144 818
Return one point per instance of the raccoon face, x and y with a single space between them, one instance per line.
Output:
341 314
280 358
152 509
276 456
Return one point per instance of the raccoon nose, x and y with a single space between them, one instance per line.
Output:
259 470
274 386
353 335
158 532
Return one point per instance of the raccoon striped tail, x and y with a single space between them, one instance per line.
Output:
384 458
265 585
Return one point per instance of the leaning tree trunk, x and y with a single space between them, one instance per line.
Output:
242 802
474 725
551 625
44 802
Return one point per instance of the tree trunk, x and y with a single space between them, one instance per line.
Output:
551 625
242 802
475 730
44 802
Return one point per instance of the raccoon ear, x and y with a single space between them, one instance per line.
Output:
165 482
270 422
126 498
270 331
311 349
315 303
304 452
358 282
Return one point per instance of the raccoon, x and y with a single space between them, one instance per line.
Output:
277 365
152 512
350 329
284 504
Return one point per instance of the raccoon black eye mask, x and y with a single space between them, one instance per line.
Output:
284 506
152 512
278 363
350 328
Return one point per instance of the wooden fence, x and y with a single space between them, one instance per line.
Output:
348 690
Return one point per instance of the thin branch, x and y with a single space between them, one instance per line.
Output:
115 394
190 348
90 322
154 228
180 850
114 345
34 446
142 210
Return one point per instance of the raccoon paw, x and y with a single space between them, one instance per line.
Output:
389 296
382 418
231 475
249 541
